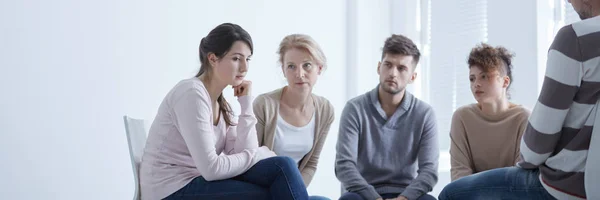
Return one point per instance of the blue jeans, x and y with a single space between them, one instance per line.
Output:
271 178
356 196
502 183
318 198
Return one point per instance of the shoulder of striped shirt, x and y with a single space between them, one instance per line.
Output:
587 26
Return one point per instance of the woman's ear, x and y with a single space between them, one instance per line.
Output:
320 69
506 82
212 59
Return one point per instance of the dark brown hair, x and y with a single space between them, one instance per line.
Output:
399 44
219 42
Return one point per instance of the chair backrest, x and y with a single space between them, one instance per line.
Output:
136 139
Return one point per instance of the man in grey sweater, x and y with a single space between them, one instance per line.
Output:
387 146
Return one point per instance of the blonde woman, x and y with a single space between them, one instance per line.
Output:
292 121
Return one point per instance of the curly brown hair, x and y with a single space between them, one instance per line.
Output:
489 58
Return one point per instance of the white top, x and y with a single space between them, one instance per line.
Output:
183 143
294 142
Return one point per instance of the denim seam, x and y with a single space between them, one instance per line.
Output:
287 181
485 188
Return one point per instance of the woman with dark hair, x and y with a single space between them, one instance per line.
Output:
196 150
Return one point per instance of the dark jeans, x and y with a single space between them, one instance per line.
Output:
356 196
318 198
271 178
503 183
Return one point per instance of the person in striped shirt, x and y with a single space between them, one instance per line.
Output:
560 149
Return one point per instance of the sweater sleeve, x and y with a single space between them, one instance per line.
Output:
192 114
460 153
564 73
311 166
242 136
346 156
259 112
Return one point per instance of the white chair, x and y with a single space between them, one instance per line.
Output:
136 139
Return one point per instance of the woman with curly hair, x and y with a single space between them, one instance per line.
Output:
486 135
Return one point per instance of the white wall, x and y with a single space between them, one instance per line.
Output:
517 30
404 20
372 26
73 68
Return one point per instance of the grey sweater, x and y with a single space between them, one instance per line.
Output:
376 155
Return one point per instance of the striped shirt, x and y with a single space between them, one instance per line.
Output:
560 138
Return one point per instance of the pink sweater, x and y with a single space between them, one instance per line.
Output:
183 143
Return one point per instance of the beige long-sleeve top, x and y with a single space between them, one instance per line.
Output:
266 110
482 142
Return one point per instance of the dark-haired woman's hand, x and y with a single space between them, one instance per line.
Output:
242 89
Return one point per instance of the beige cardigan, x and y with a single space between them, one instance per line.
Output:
266 109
